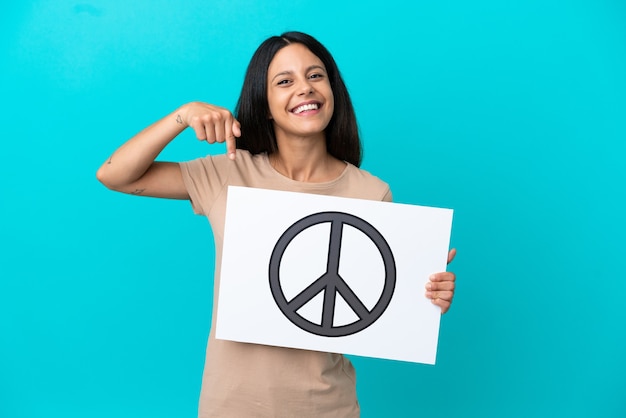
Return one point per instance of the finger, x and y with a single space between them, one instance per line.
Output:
233 130
231 147
442 294
443 304
444 276
448 285
236 128
209 130
451 255
219 129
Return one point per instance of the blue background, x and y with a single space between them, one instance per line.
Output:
512 113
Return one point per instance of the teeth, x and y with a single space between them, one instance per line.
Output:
300 109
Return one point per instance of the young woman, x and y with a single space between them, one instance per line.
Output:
294 129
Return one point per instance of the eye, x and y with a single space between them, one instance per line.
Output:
283 82
316 75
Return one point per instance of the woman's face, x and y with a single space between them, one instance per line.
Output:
298 93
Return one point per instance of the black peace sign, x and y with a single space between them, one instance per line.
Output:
331 282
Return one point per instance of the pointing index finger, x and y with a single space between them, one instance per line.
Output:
231 143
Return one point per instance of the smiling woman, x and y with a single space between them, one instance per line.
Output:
296 131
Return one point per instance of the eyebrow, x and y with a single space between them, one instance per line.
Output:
311 67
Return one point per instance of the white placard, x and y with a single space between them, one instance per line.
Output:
331 274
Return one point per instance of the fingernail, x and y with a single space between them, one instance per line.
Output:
231 155
431 277
429 286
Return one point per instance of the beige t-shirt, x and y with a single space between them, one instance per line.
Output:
251 380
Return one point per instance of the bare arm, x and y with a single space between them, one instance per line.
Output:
132 167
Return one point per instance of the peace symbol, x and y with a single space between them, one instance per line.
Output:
331 282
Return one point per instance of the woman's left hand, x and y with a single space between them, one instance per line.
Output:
440 288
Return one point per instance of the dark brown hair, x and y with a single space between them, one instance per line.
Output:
342 136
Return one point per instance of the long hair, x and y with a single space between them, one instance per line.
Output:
252 110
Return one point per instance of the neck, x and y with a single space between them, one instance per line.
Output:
306 161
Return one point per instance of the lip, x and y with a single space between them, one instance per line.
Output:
318 103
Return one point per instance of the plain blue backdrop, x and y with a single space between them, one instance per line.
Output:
510 112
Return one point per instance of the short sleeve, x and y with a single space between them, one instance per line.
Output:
204 178
388 197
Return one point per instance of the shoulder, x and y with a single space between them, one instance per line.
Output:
365 175
221 162
369 184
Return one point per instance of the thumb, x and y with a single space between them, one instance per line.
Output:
236 128
451 255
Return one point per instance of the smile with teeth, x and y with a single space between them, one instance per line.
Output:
304 108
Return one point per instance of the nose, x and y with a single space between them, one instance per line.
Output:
305 88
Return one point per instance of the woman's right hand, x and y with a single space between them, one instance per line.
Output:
132 167
211 124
